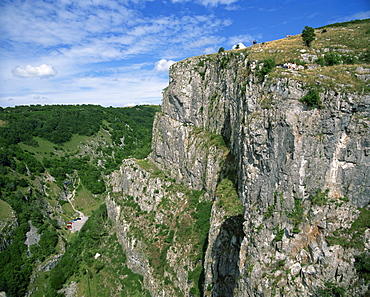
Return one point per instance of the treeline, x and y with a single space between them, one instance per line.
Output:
57 123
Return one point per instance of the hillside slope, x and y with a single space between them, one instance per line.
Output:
53 166
258 182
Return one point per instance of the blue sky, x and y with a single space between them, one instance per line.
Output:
117 53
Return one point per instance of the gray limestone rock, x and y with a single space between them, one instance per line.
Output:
301 174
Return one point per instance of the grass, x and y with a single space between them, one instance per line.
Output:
149 166
228 198
85 201
68 210
210 139
5 211
352 38
76 140
44 148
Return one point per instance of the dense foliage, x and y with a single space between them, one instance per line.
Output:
362 265
57 123
41 141
15 264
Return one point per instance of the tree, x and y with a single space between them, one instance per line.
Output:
308 35
221 49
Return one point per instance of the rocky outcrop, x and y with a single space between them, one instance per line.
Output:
7 227
32 237
301 175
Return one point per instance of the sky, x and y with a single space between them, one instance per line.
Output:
118 52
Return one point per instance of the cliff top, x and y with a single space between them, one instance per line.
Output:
350 38
338 58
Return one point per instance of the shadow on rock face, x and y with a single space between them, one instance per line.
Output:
225 252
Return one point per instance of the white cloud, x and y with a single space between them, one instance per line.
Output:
163 65
245 39
102 46
210 2
210 50
206 41
357 16
42 71
216 2
239 46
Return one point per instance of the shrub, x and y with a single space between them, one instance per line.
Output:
332 58
312 99
267 66
279 235
362 265
349 59
320 198
331 290
308 35
297 214
269 212
366 56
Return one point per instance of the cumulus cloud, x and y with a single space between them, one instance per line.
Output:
239 46
42 71
163 65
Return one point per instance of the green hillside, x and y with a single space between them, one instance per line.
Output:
53 163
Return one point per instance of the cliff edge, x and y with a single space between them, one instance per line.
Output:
250 189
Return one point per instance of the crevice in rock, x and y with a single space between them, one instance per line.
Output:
225 252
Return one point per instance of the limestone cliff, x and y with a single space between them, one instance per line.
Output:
285 187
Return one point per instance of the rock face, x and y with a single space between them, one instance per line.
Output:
288 187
